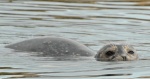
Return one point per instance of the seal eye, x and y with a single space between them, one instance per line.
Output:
131 52
110 53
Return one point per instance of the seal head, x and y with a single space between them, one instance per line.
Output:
116 52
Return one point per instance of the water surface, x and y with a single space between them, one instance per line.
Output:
91 22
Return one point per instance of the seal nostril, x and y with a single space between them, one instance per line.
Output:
110 53
124 58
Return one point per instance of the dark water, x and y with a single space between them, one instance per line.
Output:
91 22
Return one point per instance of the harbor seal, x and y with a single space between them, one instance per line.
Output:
57 46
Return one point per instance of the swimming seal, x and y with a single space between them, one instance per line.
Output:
57 46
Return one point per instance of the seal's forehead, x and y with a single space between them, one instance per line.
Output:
119 45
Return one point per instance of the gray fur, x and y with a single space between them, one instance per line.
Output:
53 46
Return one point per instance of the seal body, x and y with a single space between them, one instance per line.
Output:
53 46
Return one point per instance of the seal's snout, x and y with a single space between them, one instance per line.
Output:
124 58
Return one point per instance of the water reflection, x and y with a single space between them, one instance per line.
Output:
139 2
72 1
89 76
19 74
7 68
116 68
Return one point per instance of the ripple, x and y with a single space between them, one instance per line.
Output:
144 77
89 76
8 68
19 74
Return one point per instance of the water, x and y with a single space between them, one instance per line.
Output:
91 22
